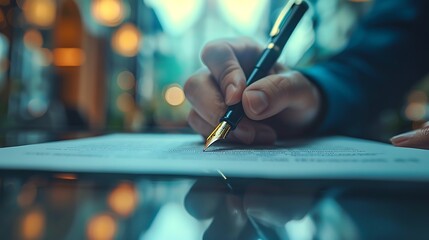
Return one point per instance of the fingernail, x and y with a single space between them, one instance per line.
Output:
258 101
230 90
402 138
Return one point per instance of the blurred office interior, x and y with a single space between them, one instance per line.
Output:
119 65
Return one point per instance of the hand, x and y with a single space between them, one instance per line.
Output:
269 205
282 104
414 139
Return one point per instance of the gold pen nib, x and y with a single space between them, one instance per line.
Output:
219 132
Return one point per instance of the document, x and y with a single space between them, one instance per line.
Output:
182 155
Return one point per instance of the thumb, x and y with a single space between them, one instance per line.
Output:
275 93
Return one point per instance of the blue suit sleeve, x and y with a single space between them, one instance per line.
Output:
386 55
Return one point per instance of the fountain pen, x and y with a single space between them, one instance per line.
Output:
283 27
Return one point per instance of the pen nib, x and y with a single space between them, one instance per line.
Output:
220 132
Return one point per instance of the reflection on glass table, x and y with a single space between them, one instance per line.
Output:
102 206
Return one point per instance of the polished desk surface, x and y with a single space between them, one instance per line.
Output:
58 205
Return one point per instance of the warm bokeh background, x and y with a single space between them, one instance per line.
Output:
119 65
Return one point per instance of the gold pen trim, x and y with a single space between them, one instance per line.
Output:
220 132
276 27
273 46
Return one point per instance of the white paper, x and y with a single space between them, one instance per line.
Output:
181 154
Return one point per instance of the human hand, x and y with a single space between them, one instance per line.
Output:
414 139
280 105
257 206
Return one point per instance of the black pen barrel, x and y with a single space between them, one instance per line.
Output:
267 59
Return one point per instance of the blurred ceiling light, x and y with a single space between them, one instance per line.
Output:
243 15
68 57
33 225
123 199
101 226
33 38
40 12
126 80
174 95
125 102
176 16
108 12
126 40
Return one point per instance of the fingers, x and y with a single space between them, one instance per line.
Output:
228 221
205 97
247 132
223 83
228 61
210 198
250 132
204 198
200 125
414 139
276 93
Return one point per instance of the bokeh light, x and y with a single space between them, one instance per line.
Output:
68 57
27 194
415 111
40 12
244 15
123 199
33 38
126 80
416 108
33 224
125 102
66 176
101 226
126 40
37 107
174 95
108 12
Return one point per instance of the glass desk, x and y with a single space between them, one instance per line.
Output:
45 205
73 205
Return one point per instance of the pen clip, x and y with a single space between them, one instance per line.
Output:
276 28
